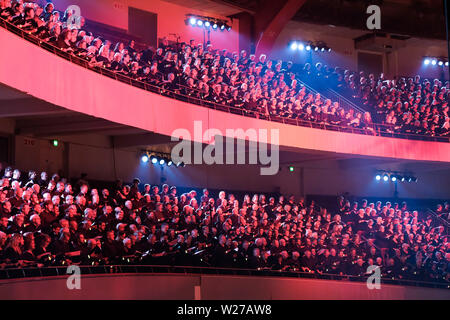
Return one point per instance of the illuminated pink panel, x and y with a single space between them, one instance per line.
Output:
211 287
171 18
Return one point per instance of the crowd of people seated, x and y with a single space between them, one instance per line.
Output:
49 221
256 85
408 105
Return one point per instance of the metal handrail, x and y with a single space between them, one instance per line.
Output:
436 217
333 95
307 86
344 101
325 94
33 272
378 129
447 223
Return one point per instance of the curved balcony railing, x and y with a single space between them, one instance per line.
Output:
343 100
34 272
329 93
438 220
375 129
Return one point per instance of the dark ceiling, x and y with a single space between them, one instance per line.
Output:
419 18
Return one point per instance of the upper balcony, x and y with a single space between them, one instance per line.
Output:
65 80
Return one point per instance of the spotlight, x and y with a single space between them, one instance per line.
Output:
378 177
322 49
409 179
180 164
446 63
199 23
222 27
169 163
426 61
433 62
144 158
385 178
55 142
316 48
413 179
301 47
214 26
153 159
192 21
329 49
440 63
162 161
393 178
291 168
308 47
229 28
207 24
294 45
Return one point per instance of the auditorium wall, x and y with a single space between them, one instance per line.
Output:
171 19
338 38
406 61
93 154
207 287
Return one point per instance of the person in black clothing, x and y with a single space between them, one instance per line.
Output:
6 11
294 262
220 253
166 228
29 23
111 248
155 77
31 179
116 63
308 262
13 251
17 225
17 201
42 252
29 247
48 215
48 10
256 261
131 50
43 180
170 84
18 16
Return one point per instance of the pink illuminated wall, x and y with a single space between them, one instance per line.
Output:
175 287
406 61
170 19
92 154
